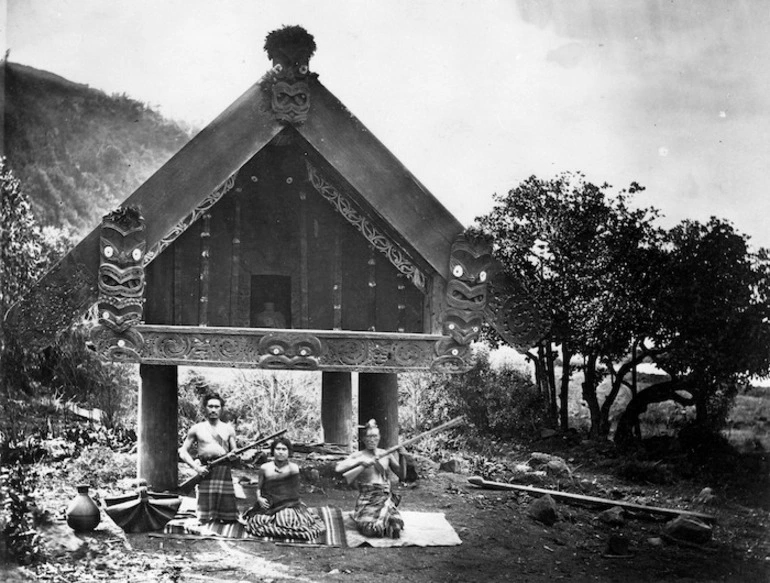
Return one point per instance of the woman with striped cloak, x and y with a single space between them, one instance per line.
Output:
278 512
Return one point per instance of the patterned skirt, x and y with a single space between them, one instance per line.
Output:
376 513
294 521
216 496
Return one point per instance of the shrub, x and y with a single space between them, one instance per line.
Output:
18 537
100 467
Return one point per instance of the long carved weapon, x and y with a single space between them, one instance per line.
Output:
352 472
189 484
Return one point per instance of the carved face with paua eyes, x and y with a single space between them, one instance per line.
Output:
470 264
121 274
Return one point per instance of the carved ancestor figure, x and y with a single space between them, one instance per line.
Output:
470 265
290 49
121 284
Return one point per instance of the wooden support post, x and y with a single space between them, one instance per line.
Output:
337 407
378 400
158 457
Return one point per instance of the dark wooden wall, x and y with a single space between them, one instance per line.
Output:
274 223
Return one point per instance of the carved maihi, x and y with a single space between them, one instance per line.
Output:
515 314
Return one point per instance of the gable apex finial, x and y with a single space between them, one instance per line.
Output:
290 47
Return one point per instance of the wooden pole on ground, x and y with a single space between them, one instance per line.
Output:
481 483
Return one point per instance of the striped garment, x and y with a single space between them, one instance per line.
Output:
376 513
287 517
216 495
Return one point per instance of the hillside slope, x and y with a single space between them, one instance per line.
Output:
78 151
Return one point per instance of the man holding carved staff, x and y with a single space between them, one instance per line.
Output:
215 439
376 512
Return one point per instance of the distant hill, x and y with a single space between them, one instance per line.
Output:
78 151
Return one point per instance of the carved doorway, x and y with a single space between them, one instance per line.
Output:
266 290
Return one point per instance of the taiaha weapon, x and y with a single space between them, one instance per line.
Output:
188 485
352 472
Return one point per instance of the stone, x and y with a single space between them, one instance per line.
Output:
543 510
452 465
613 516
706 496
688 529
558 468
617 544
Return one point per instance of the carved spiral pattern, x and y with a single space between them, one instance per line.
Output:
377 239
185 223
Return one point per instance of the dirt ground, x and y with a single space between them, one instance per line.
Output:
500 542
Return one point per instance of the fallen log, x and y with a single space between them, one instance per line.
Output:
673 512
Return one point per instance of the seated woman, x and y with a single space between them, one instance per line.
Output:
279 513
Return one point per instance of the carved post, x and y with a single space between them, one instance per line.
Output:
336 407
378 400
158 402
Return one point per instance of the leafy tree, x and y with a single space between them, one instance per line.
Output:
711 326
586 255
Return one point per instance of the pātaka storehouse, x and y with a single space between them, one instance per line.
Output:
284 235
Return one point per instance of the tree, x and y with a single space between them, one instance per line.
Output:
585 255
711 326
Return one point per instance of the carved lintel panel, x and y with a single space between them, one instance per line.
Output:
365 226
329 350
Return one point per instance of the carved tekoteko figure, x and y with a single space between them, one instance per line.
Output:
121 284
290 49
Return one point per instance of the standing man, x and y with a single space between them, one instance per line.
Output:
376 514
214 438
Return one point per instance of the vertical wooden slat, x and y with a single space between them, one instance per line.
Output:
177 285
401 299
337 285
372 296
303 275
203 308
235 269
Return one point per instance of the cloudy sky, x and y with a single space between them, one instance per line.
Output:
473 96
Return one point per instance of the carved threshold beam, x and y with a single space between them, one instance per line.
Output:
326 350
